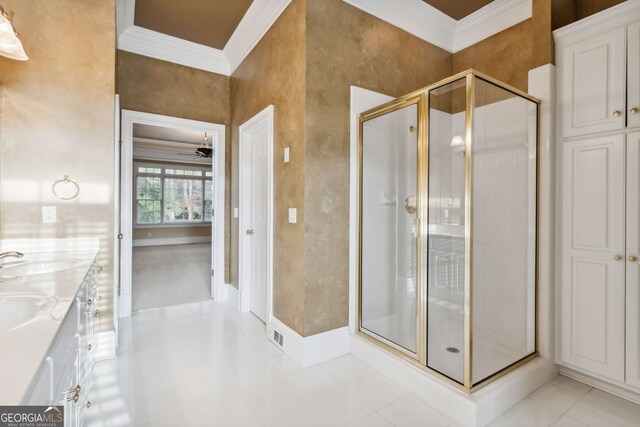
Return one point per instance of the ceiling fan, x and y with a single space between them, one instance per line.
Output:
204 151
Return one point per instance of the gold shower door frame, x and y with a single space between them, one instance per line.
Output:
421 99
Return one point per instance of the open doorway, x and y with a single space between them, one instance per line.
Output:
172 174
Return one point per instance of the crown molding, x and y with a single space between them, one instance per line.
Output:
167 48
415 17
491 19
625 12
256 22
260 16
431 25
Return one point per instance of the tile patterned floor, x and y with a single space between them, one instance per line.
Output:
205 364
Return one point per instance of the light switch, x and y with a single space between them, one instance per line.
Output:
286 154
293 215
235 213
48 214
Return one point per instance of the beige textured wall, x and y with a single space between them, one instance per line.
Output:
159 87
586 8
305 66
506 56
274 73
57 119
566 12
345 47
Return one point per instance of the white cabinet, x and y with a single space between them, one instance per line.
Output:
593 273
632 264
593 72
599 74
65 375
600 281
598 87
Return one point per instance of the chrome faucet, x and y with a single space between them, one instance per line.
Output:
10 254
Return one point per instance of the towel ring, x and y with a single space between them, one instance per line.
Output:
66 180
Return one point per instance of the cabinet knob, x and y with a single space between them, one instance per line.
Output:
617 113
618 257
633 258
100 268
634 110
249 232
88 348
86 405
96 313
88 302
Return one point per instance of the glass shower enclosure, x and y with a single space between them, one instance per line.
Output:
448 228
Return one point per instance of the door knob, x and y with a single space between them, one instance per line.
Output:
616 113
618 257
249 232
634 110
633 258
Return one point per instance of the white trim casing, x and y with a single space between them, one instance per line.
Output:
244 302
219 287
311 350
162 241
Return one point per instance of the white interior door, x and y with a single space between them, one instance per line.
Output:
256 213
593 248
593 76
259 223
633 266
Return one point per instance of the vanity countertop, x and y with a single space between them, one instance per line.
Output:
25 346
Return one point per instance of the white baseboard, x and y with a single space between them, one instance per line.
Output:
311 350
105 345
620 391
171 241
476 409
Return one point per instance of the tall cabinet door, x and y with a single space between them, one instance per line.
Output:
633 266
593 84
593 267
633 75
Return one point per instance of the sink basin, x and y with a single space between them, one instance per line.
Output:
35 267
17 310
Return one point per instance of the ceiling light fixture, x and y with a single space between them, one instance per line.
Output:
10 45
